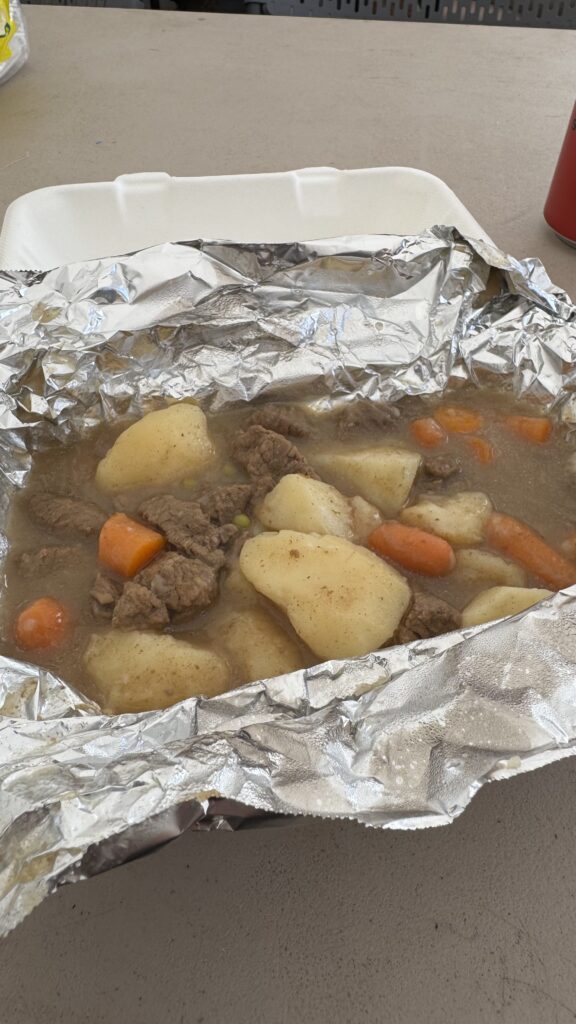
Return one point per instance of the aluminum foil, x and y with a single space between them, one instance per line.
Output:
402 738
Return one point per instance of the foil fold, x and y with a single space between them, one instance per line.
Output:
401 738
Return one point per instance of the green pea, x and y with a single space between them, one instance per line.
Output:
229 470
242 521
188 482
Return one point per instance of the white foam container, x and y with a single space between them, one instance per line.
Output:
68 223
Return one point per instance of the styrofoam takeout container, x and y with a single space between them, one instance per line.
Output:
68 223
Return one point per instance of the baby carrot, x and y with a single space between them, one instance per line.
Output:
126 546
536 429
413 549
482 450
43 623
427 432
457 420
521 544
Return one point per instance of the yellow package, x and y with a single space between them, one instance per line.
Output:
7 30
13 41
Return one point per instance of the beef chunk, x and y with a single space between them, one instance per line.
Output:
428 616
441 467
49 560
181 584
178 519
104 595
267 457
364 415
289 420
59 513
214 557
139 608
187 527
170 583
223 503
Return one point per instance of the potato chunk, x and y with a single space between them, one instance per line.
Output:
382 474
458 518
311 506
258 646
365 518
308 506
477 566
161 448
500 602
341 599
141 671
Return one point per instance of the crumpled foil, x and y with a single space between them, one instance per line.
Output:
402 738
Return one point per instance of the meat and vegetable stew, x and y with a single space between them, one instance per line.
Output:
184 555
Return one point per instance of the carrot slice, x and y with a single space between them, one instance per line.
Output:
126 546
536 429
523 545
41 624
427 432
414 549
483 451
457 420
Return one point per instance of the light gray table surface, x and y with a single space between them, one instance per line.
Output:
319 922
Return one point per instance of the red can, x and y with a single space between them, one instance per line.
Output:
560 209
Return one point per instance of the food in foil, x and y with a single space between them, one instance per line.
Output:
188 554
404 736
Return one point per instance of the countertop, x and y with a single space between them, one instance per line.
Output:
313 921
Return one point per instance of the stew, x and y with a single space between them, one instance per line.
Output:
184 554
